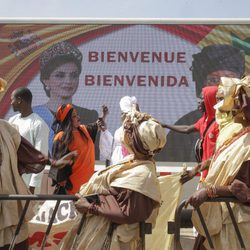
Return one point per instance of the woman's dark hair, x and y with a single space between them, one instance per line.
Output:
60 147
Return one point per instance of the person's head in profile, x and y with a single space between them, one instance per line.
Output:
216 61
142 135
60 68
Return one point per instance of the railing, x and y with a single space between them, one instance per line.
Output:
41 197
145 228
174 227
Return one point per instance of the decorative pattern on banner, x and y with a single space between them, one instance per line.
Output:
152 62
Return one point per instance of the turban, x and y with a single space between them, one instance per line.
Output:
209 96
152 135
60 50
62 112
3 84
229 89
226 90
127 102
245 85
217 57
144 134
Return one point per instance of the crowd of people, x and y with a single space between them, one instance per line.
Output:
127 191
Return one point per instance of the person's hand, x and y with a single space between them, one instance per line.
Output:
101 121
205 164
105 112
65 160
197 198
101 124
188 175
32 189
239 189
81 204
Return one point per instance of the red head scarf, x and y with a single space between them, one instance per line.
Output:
209 95
62 112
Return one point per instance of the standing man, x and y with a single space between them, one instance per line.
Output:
32 127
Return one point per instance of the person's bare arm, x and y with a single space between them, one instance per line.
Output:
185 129
187 175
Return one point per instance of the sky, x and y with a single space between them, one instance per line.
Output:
166 9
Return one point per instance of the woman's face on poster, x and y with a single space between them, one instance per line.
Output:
63 81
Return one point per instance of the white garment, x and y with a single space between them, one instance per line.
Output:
35 130
111 147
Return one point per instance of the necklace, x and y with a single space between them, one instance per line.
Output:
228 142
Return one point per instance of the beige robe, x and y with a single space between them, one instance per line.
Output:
139 176
223 170
11 183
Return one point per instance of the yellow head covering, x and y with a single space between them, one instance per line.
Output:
229 109
229 89
142 133
245 85
226 90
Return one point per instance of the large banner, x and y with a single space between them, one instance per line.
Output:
151 62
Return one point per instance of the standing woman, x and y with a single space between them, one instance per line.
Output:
228 175
71 135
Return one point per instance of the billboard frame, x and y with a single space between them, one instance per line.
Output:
35 20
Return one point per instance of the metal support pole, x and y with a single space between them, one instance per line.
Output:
50 224
13 242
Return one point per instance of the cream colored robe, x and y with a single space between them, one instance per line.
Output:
139 176
11 183
227 127
223 170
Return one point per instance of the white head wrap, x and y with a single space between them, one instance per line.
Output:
127 102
